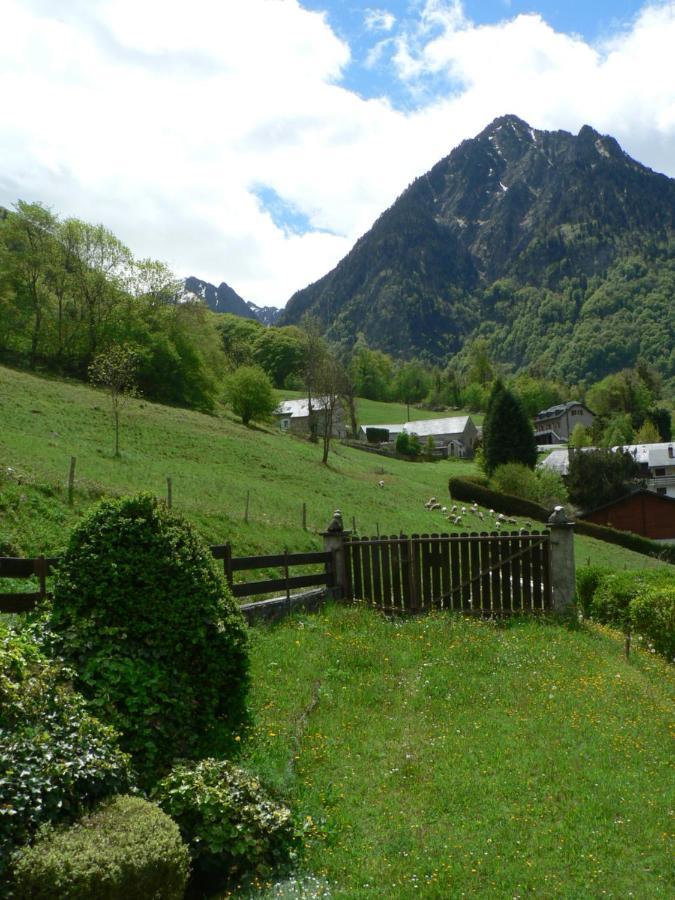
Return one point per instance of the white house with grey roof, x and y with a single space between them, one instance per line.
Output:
656 463
555 424
457 433
293 416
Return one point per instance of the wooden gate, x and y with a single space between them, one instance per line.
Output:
493 574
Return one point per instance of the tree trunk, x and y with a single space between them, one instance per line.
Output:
117 429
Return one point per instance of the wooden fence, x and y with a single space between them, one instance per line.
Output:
41 568
493 574
496 574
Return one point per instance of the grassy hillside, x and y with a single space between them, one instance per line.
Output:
213 462
441 757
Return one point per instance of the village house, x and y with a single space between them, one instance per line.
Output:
457 434
655 461
293 416
657 465
555 424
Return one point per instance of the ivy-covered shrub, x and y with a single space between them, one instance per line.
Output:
230 822
652 614
149 624
126 848
56 759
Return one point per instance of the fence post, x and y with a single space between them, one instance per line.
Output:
227 564
71 480
563 574
334 543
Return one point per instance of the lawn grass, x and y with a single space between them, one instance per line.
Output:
214 463
447 757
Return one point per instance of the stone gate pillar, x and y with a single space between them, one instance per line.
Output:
334 542
563 572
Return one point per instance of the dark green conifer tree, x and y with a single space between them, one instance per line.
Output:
508 435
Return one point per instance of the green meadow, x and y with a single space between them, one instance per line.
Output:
444 757
434 757
215 464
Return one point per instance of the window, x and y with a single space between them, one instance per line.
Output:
659 472
661 492
670 452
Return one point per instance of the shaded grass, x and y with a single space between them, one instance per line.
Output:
443 757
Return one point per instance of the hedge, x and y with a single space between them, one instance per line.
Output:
642 601
627 539
126 848
476 489
377 435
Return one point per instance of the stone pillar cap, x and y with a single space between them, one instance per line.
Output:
559 517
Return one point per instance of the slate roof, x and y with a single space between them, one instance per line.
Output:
426 427
299 408
652 455
554 412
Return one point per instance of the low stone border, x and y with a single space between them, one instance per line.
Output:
279 607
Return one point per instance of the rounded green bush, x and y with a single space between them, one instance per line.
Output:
56 759
230 822
149 624
126 848
652 614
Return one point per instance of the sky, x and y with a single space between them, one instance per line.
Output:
254 141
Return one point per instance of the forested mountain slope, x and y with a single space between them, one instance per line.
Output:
559 248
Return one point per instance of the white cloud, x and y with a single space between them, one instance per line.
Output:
379 20
161 119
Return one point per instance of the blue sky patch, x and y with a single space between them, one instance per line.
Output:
285 214
372 28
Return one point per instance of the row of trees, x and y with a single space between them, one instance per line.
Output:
69 290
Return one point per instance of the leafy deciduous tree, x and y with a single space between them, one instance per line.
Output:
249 392
115 370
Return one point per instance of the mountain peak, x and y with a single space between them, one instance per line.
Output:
515 208
507 121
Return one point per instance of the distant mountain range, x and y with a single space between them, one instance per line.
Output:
224 299
558 249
